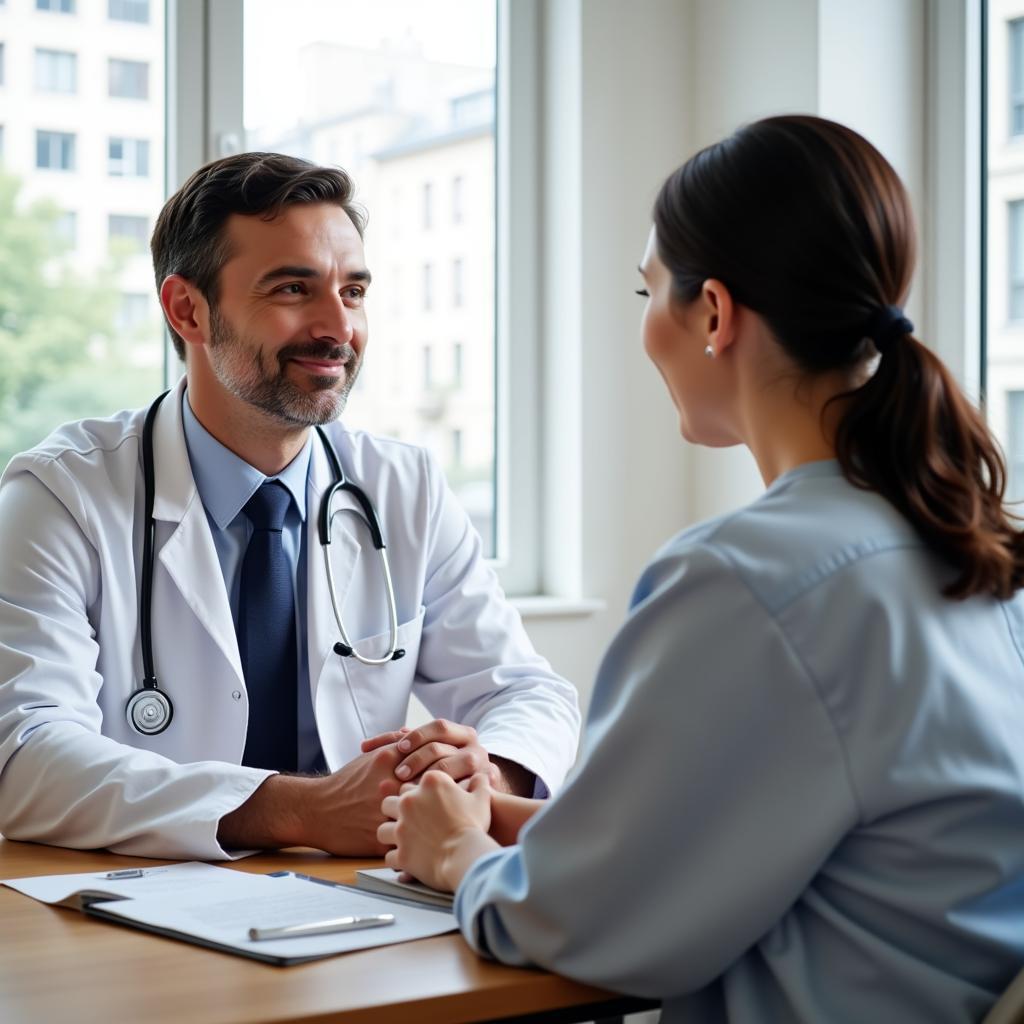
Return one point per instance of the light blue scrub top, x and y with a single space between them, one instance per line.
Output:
801 792
225 483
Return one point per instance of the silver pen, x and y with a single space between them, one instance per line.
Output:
125 873
337 924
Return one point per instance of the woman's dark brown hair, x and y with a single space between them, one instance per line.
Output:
808 225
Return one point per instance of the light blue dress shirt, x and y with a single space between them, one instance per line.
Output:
225 483
801 792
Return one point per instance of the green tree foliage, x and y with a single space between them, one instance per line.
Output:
61 357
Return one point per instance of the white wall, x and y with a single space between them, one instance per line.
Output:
628 101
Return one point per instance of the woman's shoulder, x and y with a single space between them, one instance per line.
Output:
809 526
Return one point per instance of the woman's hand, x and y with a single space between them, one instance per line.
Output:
437 828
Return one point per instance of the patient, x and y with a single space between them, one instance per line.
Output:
800 793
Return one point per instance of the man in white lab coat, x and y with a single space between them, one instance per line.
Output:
266 734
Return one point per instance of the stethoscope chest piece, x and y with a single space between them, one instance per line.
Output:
149 711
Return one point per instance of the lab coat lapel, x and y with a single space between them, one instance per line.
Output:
344 554
188 555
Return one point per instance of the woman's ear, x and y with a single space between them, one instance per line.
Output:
719 314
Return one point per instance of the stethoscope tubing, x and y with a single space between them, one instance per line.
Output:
149 709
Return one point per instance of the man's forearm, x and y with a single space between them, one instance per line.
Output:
271 818
519 781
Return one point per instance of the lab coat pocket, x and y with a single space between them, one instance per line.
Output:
380 693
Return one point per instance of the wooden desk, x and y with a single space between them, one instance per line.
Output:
58 965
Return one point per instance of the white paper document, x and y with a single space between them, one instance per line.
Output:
216 907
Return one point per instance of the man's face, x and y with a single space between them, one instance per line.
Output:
288 331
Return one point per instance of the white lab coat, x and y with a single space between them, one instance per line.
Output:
73 772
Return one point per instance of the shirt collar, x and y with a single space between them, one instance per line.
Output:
226 482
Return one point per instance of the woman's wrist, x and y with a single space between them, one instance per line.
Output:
460 852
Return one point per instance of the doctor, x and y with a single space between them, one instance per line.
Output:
262 278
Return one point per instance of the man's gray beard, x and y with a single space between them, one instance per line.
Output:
277 395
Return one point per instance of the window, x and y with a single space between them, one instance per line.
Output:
457 365
457 283
391 116
128 158
128 79
135 310
428 204
2 51
1016 30
1016 268
428 287
66 228
457 199
55 151
56 71
130 230
457 448
129 10
428 368
57 6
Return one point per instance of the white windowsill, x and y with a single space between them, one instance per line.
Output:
542 606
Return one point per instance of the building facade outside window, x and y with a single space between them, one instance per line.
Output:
1015 455
129 10
457 365
457 199
55 151
428 205
56 6
428 368
130 230
66 228
1016 34
56 71
1 63
128 79
457 274
128 158
428 287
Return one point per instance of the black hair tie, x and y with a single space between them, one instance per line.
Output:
889 324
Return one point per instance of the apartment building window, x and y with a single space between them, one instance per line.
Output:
65 227
55 151
128 79
133 311
457 296
428 286
428 205
1016 254
128 158
129 10
1015 452
457 357
57 6
1016 30
56 71
1 57
129 228
457 188
456 447
428 368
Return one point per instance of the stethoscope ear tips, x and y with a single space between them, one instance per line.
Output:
400 653
342 650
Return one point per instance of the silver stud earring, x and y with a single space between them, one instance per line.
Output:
709 352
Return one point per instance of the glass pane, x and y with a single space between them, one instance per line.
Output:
401 94
80 330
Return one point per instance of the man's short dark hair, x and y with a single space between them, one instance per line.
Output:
190 238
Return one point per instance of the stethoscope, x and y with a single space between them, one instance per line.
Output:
149 709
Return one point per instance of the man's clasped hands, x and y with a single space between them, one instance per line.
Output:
445 802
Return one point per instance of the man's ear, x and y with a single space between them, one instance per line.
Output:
185 308
720 313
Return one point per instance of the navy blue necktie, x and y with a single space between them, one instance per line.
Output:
266 635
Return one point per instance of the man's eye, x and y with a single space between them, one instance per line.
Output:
292 288
355 293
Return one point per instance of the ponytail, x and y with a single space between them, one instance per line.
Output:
911 435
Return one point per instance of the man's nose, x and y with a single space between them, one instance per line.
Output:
332 319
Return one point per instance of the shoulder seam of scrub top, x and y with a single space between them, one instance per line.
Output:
820 572
795 652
